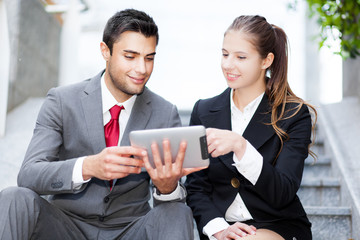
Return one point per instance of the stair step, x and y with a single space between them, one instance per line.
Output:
321 160
330 222
320 192
185 117
319 168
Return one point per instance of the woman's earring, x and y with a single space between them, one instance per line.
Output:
268 73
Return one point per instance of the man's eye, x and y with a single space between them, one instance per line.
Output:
129 57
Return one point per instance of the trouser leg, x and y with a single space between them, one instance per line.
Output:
171 220
25 215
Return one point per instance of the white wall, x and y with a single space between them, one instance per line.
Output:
4 66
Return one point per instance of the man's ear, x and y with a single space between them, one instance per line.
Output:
105 51
268 60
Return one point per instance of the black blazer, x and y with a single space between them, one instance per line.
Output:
273 197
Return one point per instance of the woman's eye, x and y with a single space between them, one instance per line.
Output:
225 54
242 57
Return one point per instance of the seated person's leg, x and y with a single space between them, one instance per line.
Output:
171 220
26 215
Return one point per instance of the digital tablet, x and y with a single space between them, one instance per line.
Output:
196 154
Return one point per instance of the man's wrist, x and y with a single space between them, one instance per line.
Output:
178 193
86 173
165 191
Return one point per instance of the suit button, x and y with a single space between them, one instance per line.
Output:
106 199
101 218
235 182
57 185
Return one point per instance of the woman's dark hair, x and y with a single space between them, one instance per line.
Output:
129 20
268 38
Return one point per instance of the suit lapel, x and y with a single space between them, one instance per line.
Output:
257 132
139 116
259 129
92 108
219 116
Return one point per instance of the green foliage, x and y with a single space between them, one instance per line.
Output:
339 19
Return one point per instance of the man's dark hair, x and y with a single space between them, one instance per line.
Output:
129 20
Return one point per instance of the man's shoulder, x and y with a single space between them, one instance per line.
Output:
87 85
154 98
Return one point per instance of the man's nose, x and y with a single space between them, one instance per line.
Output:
141 66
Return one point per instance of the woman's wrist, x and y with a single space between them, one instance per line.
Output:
218 235
240 147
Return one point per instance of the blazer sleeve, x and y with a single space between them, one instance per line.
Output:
199 189
278 183
41 170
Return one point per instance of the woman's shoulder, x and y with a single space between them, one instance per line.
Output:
296 111
218 100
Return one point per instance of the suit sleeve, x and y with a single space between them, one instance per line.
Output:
173 121
41 170
199 189
278 183
174 118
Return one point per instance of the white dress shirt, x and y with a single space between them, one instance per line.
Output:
108 101
249 166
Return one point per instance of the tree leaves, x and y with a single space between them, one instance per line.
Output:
338 19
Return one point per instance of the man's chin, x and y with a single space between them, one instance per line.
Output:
138 91
141 92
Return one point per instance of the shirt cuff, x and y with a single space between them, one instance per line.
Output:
178 193
214 226
250 165
77 177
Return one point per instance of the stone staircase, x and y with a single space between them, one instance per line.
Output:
323 189
320 194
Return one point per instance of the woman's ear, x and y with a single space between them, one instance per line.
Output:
268 60
105 51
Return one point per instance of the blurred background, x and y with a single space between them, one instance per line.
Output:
48 43
57 43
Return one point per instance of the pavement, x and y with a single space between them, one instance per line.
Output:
20 124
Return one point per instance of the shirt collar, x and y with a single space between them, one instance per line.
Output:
251 107
108 100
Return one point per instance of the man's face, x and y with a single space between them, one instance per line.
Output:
130 65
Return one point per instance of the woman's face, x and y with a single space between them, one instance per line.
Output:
241 63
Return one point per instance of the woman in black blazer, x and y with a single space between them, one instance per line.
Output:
258 134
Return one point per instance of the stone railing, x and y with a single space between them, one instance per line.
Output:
340 127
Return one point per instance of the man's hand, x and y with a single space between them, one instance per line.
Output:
235 231
113 163
165 176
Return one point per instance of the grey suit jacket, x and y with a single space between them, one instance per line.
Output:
69 126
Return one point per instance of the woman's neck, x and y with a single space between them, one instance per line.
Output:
242 97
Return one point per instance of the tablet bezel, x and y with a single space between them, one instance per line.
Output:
196 154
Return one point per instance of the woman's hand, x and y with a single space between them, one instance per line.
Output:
236 231
221 142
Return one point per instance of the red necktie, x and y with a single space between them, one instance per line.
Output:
112 129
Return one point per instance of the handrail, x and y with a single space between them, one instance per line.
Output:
343 155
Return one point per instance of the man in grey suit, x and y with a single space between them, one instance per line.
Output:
68 161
